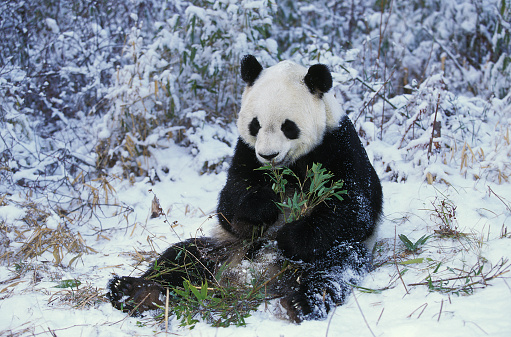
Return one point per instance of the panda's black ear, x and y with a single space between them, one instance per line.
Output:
250 69
318 79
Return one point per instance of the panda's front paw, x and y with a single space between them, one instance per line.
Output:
134 295
294 243
259 207
254 214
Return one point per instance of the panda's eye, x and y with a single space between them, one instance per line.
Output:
254 127
290 129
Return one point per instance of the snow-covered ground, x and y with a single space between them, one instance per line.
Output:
31 304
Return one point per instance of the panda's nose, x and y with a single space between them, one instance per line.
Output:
269 156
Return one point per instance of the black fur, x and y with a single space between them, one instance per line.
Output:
250 69
327 242
326 282
318 79
186 259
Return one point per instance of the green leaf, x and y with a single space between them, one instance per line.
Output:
204 290
437 267
366 290
323 191
338 196
181 293
287 171
422 240
412 261
72 283
196 292
406 241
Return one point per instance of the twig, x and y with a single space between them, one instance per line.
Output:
441 307
412 124
330 320
483 280
167 311
477 325
385 27
491 191
130 313
269 280
379 317
360 309
424 306
61 329
52 332
371 88
453 58
395 262
434 127
139 304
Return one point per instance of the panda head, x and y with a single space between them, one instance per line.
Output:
285 109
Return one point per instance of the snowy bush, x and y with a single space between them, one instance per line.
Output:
143 67
189 65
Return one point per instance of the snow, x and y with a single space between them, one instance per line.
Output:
52 25
468 166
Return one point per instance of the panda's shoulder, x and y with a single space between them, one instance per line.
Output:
341 133
345 125
340 144
345 134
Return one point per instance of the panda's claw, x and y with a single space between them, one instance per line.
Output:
297 307
134 295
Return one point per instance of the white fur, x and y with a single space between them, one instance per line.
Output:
279 93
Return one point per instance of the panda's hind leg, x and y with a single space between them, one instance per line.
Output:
327 282
187 260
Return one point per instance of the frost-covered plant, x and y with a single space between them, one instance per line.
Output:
190 65
422 38
60 54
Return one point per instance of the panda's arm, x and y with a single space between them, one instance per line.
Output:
246 204
330 223
353 219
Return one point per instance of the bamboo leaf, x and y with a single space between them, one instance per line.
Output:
405 240
204 290
71 283
412 261
195 292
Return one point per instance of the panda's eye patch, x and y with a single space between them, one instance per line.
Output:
290 129
254 127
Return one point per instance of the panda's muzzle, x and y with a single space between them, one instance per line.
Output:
269 157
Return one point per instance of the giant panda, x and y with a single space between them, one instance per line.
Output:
288 118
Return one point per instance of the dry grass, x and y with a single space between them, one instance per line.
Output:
80 297
50 223
21 331
37 238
